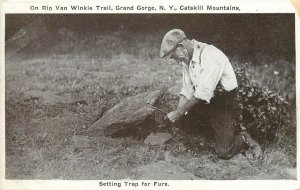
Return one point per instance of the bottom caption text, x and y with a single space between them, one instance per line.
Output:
132 184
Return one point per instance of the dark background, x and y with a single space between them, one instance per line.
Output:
245 35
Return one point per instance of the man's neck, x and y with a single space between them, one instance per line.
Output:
190 47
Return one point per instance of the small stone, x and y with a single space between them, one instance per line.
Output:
157 138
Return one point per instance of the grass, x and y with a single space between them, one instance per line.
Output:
56 86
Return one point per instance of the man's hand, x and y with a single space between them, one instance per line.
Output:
174 115
184 107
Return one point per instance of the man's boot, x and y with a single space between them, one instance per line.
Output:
254 148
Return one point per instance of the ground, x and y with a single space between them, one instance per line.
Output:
59 85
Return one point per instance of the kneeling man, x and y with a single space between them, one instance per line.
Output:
204 67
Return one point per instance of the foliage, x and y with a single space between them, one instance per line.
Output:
263 111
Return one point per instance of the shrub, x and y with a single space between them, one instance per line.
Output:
264 112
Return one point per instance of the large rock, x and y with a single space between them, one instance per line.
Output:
133 116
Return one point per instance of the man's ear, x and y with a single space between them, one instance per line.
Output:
184 42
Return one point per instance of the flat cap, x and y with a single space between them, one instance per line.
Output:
170 42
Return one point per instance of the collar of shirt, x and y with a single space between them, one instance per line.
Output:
198 47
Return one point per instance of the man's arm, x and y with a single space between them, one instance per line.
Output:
184 106
182 100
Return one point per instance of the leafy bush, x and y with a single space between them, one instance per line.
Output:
264 112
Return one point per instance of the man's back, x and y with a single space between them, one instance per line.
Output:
214 55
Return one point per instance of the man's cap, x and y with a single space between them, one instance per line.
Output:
170 42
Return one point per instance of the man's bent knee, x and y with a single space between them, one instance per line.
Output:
237 146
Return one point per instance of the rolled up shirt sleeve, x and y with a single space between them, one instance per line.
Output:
211 73
187 85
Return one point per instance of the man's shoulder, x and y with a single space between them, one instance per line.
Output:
211 51
208 48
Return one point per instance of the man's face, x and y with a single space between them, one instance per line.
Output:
180 54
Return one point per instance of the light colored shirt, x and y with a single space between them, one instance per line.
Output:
208 66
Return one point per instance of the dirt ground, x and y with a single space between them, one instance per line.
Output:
51 100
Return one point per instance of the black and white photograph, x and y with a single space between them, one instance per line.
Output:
150 97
